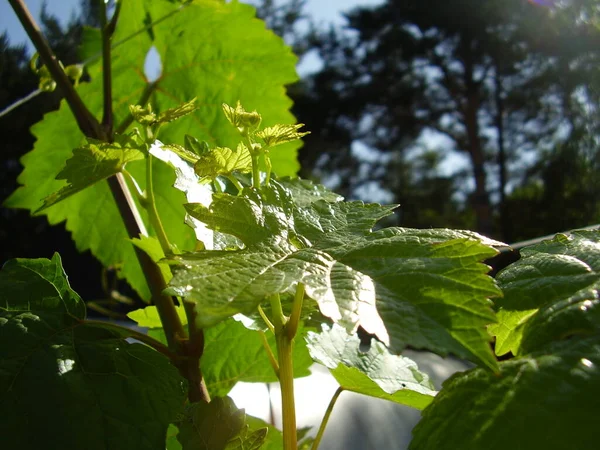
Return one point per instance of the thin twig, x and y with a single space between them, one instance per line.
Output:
323 425
85 119
270 354
20 102
107 116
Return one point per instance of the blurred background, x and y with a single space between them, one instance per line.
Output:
470 114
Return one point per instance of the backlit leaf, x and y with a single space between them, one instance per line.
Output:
376 372
429 285
94 162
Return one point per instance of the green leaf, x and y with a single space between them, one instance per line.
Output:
151 246
430 285
148 317
232 352
547 399
280 134
94 162
241 119
274 438
376 372
551 277
145 116
223 161
218 425
111 393
197 62
305 192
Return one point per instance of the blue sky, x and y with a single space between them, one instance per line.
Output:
324 11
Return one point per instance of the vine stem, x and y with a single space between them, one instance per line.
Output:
328 412
285 344
156 345
150 205
90 127
286 381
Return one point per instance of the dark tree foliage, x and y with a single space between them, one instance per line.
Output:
504 81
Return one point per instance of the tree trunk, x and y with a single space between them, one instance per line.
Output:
481 200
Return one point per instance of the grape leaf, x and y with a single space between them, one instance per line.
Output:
280 134
94 162
430 285
232 352
218 425
111 393
563 269
145 115
305 192
210 50
547 399
376 373
223 161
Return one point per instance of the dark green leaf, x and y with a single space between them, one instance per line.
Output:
218 425
376 372
430 285
555 278
68 383
547 399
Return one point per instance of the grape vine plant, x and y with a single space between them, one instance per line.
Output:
251 274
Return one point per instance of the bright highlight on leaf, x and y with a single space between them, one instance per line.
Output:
429 285
376 373
94 162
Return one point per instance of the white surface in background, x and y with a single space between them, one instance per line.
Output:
357 422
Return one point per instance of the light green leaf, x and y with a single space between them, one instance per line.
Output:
198 61
218 425
151 246
234 353
51 356
148 317
547 399
223 161
241 119
94 162
430 285
274 438
376 372
146 116
280 134
563 271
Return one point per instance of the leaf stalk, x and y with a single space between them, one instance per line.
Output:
328 412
